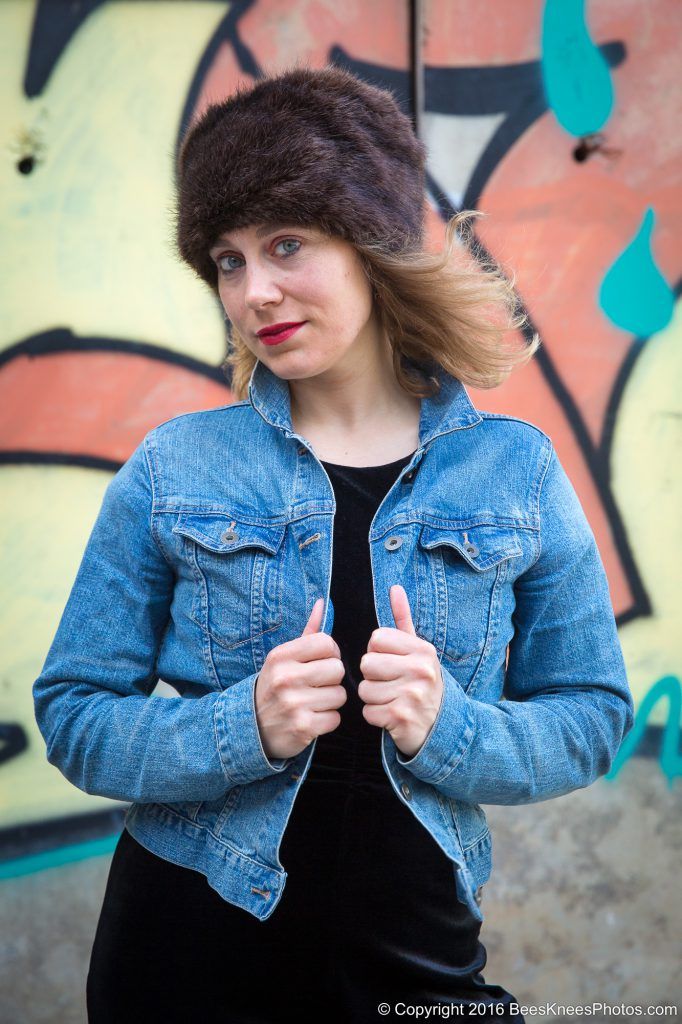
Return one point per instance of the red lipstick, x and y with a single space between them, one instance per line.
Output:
277 333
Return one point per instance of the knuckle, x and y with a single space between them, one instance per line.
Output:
402 715
281 679
414 692
287 700
423 666
299 721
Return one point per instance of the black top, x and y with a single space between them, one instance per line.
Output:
359 490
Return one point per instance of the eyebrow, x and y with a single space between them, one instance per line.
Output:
266 229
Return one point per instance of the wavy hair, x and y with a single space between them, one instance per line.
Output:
454 308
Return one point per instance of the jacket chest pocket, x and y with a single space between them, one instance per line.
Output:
238 583
459 572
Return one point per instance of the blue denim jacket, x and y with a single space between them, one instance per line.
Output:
212 544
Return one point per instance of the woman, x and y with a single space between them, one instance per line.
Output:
305 836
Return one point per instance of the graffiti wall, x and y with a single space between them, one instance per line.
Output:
559 119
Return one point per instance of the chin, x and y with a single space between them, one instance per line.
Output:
287 369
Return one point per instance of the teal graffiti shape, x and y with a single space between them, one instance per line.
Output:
56 858
576 76
671 762
634 294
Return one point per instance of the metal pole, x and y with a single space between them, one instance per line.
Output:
416 65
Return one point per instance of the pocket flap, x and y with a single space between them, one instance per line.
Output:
222 533
482 546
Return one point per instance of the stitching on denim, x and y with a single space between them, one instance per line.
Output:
542 476
203 412
484 835
440 584
514 419
222 842
218 745
500 577
454 810
205 621
151 470
207 649
448 821
210 660
448 773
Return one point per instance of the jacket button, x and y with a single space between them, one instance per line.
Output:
228 535
406 791
391 543
471 549
479 895
408 476
302 450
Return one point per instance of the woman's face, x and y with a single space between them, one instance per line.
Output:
274 274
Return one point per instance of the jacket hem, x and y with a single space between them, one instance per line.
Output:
236 877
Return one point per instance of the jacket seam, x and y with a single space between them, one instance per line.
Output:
539 487
514 419
198 412
217 740
151 469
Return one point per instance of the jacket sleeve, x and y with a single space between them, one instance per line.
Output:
92 701
568 704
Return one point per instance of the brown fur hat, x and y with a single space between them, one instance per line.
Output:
311 146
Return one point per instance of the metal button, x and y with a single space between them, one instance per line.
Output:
302 450
478 896
229 535
471 549
408 476
406 791
392 543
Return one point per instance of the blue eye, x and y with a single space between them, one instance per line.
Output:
229 270
284 242
222 268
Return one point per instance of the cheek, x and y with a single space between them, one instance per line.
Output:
343 298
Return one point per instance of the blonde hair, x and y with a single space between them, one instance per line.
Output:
450 308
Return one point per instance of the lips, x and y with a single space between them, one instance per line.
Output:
274 337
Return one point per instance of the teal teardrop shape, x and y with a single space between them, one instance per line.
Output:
576 77
634 294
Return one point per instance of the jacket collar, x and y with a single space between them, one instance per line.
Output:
449 410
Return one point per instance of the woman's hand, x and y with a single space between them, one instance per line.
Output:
299 690
403 684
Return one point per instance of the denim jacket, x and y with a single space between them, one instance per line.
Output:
212 544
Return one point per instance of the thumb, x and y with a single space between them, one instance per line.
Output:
314 623
400 606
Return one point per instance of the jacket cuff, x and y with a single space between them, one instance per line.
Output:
450 736
237 736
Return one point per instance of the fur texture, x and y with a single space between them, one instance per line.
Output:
312 146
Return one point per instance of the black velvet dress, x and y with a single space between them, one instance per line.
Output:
369 913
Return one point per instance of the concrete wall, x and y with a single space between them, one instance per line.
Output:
562 125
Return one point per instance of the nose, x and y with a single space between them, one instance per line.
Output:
261 287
